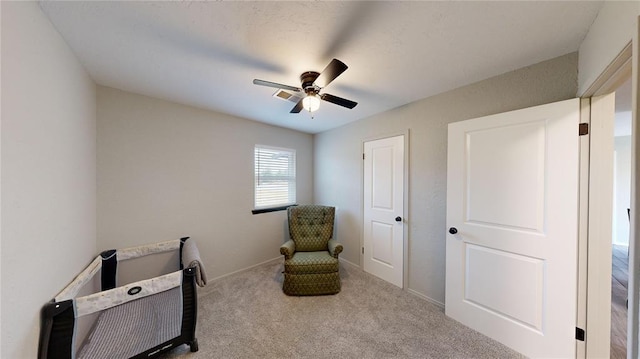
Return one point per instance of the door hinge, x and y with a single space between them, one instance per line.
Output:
362 250
579 334
583 129
363 156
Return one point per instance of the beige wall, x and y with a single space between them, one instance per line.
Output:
612 30
338 159
167 170
48 171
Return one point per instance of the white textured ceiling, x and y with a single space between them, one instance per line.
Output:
206 54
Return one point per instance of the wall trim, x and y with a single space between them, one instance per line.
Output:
599 245
246 268
583 224
425 298
614 75
413 292
633 317
623 67
342 260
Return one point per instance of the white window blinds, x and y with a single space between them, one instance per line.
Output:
275 177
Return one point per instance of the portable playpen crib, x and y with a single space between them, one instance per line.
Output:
119 307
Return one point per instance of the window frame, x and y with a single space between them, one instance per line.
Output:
292 180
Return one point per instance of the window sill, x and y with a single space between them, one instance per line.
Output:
272 209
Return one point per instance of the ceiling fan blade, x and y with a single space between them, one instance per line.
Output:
275 85
338 100
333 70
298 107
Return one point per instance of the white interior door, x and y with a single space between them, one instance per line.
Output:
512 204
383 208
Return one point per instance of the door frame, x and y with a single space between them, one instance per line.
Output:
593 284
406 214
599 227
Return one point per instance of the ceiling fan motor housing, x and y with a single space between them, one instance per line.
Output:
307 79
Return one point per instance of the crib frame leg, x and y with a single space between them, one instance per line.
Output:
194 345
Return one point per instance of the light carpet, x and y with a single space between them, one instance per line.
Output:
246 315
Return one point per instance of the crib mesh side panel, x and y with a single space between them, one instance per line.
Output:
86 323
131 328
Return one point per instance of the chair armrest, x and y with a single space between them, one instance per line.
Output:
287 249
335 248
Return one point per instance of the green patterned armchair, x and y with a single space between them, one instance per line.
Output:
311 255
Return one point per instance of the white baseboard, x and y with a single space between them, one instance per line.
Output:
278 258
428 299
413 292
349 263
342 260
246 269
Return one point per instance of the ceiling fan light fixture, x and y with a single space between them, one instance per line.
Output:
311 102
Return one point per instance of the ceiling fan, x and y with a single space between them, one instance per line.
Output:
308 94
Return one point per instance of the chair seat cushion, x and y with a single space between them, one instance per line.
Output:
311 263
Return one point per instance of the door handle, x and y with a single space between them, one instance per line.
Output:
453 230
398 219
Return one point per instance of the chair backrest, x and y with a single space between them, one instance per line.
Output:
311 227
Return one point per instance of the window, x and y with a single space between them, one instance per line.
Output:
275 177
